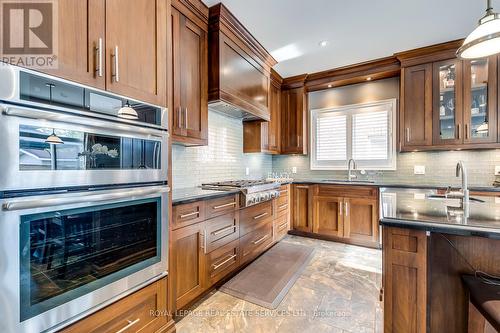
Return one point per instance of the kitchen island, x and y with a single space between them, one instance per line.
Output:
429 242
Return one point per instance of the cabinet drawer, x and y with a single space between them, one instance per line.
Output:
282 205
350 191
134 313
281 225
255 242
187 214
222 261
221 230
221 206
254 216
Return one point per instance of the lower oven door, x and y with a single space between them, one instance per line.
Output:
91 151
64 256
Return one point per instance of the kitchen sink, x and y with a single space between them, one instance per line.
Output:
348 181
444 197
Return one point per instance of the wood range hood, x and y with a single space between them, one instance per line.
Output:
239 68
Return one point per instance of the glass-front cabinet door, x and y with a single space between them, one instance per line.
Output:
480 93
448 99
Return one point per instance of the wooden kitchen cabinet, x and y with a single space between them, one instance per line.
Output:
447 103
190 74
361 220
143 311
261 136
294 121
416 107
81 31
136 49
404 280
302 207
188 262
339 212
328 216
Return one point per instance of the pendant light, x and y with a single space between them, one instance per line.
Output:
127 112
485 39
53 139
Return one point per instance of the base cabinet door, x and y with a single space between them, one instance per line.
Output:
404 281
187 261
361 220
328 216
301 205
142 311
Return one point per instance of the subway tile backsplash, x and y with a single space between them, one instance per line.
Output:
222 159
439 168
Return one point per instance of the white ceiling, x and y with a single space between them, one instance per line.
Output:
356 30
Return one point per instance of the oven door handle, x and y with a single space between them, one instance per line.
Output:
60 116
23 204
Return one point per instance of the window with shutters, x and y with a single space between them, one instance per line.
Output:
364 132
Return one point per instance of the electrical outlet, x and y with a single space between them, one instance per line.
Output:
419 169
497 170
247 171
294 169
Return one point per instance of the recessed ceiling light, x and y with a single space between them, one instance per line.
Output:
329 86
369 78
323 43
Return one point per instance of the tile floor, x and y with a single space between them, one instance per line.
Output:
337 292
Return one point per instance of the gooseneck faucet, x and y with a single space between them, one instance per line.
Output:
461 170
350 176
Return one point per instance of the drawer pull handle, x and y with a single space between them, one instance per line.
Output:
231 257
225 205
283 191
260 216
220 231
283 206
283 226
189 214
129 325
260 240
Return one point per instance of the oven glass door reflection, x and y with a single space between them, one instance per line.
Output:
84 151
67 253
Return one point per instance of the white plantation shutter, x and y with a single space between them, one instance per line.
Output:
363 132
331 137
370 139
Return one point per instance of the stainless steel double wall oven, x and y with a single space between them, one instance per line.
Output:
83 197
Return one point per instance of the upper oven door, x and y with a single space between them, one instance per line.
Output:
93 151
64 256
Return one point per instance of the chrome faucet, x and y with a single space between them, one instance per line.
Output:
350 176
461 170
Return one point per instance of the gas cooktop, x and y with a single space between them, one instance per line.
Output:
252 191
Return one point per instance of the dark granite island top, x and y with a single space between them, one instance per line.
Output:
191 194
415 209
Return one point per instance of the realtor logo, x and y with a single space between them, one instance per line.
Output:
29 33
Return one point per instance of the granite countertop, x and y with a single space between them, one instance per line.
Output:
191 194
413 208
478 188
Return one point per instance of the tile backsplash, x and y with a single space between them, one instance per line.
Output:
439 168
222 159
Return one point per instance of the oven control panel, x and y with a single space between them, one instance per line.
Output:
251 199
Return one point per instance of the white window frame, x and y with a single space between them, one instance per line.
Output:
349 110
